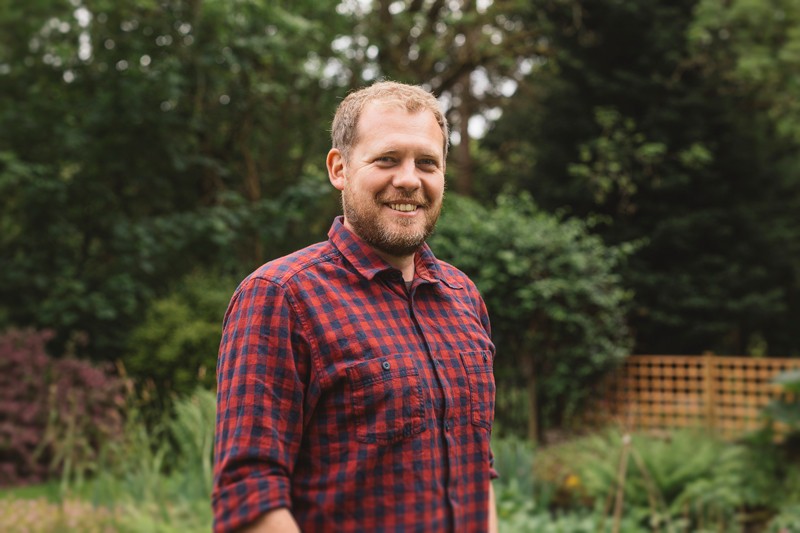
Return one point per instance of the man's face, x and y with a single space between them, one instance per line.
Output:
393 183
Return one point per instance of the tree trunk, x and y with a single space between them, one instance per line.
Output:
463 180
533 419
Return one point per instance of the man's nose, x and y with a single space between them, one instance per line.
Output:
407 176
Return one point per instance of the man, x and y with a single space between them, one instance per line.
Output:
355 376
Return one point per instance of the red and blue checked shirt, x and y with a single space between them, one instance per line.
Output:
357 403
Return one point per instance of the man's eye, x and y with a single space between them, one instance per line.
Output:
427 162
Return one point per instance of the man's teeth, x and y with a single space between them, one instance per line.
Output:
403 207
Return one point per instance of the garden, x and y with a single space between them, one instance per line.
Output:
622 179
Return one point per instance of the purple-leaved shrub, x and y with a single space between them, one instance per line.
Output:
52 411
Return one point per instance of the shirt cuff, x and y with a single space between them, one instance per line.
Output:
245 501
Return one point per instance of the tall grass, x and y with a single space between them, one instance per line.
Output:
161 477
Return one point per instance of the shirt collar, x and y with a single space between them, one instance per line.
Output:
369 264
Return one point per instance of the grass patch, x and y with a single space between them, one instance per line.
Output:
48 491
42 516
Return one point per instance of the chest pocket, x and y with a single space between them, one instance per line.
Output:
386 397
481 386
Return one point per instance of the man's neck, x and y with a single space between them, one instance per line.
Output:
404 264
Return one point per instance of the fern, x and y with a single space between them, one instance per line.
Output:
683 482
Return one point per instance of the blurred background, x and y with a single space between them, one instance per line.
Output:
624 178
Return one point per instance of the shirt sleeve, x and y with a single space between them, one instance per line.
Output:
484 314
262 374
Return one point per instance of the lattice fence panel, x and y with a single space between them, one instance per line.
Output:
658 392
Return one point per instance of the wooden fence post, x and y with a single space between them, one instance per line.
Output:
709 388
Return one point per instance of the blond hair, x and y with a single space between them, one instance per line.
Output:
412 98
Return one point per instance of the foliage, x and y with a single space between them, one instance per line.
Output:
523 506
176 344
785 409
158 478
645 117
150 479
54 413
513 460
685 480
552 290
786 521
139 140
573 522
772 456
23 389
512 405
752 48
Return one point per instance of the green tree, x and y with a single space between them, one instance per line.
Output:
625 122
142 140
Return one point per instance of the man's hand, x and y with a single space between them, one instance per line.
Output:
492 510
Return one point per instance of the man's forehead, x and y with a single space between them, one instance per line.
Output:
375 108
388 104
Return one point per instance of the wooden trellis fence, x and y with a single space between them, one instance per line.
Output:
726 394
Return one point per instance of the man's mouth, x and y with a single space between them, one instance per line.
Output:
405 208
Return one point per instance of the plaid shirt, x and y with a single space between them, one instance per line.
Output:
355 402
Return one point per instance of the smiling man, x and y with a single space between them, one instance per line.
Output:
355 384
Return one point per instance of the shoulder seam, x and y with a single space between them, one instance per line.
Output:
287 276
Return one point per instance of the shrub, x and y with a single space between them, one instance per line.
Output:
785 408
553 292
176 345
54 413
23 405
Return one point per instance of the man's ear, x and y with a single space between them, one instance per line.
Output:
335 164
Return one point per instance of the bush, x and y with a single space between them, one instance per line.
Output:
54 413
553 292
176 346
23 405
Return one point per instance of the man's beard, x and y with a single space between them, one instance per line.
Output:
364 216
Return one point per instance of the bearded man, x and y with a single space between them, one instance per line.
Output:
355 382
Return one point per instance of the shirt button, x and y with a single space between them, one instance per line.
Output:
386 365
447 425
